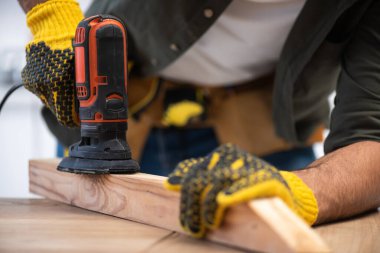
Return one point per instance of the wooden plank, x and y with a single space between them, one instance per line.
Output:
43 225
142 198
359 234
176 242
280 218
38 225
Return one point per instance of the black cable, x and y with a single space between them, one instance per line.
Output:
9 92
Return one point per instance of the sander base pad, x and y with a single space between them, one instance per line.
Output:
94 166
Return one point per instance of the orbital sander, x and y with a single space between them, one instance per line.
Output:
100 46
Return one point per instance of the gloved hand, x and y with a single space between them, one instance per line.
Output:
229 176
49 70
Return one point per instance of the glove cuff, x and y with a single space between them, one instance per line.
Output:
54 22
305 202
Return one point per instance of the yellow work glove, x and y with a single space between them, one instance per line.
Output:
49 70
229 176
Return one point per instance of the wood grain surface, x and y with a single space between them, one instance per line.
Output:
41 225
48 226
142 198
357 235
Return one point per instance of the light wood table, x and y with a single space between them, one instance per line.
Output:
41 225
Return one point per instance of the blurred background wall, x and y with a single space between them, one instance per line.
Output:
23 134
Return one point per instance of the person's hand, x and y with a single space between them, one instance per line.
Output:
49 70
229 176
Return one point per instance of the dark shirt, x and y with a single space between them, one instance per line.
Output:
332 45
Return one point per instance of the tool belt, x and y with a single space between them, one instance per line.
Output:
240 114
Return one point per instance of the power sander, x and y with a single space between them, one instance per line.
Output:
100 46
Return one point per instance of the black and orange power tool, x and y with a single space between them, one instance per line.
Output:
100 45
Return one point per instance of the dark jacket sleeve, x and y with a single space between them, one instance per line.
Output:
109 7
356 116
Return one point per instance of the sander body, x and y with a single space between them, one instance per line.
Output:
100 46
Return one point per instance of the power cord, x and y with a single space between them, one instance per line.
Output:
9 92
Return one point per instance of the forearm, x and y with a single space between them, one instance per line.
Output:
345 182
27 5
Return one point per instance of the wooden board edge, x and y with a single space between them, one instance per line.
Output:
242 228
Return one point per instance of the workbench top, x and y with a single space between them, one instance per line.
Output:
41 225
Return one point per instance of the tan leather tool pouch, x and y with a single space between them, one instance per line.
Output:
239 114
244 116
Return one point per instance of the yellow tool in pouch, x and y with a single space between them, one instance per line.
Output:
229 176
183 106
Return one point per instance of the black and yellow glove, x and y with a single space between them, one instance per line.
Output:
49 70
229 176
